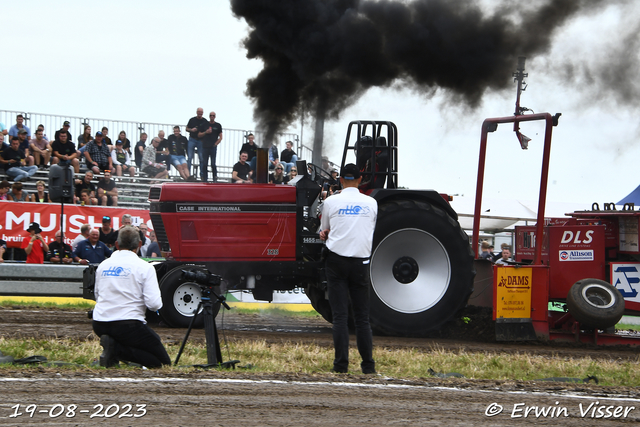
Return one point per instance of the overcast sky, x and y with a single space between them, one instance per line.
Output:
156 61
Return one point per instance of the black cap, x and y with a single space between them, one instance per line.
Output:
98 133
66 123
22 131
35 227
119 142
350 171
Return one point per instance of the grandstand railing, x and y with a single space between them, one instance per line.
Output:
227 154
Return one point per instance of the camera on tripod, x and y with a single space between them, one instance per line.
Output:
202 278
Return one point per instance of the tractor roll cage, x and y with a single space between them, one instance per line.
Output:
372 147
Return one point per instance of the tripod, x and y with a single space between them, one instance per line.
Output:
214 355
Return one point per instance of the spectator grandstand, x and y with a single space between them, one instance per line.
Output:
133 191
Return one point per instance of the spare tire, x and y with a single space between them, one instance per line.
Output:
595 303
422 268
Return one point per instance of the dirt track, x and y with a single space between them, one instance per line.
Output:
241 398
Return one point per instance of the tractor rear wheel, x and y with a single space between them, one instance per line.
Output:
595 303
421 268
180 298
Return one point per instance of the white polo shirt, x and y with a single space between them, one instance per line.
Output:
125 287
351 218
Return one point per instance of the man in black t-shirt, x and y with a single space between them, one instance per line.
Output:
85 184
162 151
140 146
194 141
242 172
64 152
65 129
13 160
56 251
178 145
210 133
107 191
250 148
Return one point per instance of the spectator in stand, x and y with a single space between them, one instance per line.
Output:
145 232
40 196
210 133
106 233
64 152
85 184
3 248
162 151
154 249
24 146
17 193
58 250
178 147
289 179
250 148
84 235
242 172
107 191
126 144
92 250
41 150
278 176
140 146
65 129
105 135
288 157
120 160
194 141
3 144
150 167
4 190
34 245
86 199
273 156
44 135
13 159
85 138
3 130
13 130
98 156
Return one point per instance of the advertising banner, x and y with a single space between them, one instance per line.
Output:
15 218
513 292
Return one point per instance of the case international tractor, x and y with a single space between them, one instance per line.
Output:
264 237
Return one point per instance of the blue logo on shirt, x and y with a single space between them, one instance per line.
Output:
354 210
116 272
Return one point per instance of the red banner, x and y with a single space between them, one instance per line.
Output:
15 218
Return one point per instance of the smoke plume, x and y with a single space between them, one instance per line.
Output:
326 53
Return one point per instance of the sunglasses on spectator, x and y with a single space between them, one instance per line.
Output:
106 218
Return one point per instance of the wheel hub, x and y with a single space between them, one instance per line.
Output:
410 270
186 298
405 269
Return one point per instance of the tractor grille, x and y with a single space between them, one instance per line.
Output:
154 193
161 233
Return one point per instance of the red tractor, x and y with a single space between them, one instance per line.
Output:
264 237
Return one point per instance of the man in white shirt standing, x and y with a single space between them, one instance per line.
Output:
347 225
125 287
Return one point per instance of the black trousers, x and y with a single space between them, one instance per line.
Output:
348 280
135 342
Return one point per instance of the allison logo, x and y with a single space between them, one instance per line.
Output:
576 255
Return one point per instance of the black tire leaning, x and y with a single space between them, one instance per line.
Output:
595 303
319 302
180 297
426 237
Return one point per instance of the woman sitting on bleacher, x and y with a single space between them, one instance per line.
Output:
17 194
40 196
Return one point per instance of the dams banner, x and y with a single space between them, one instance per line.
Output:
15 218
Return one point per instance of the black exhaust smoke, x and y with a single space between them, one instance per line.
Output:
334 50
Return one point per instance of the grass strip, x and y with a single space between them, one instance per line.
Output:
283 358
